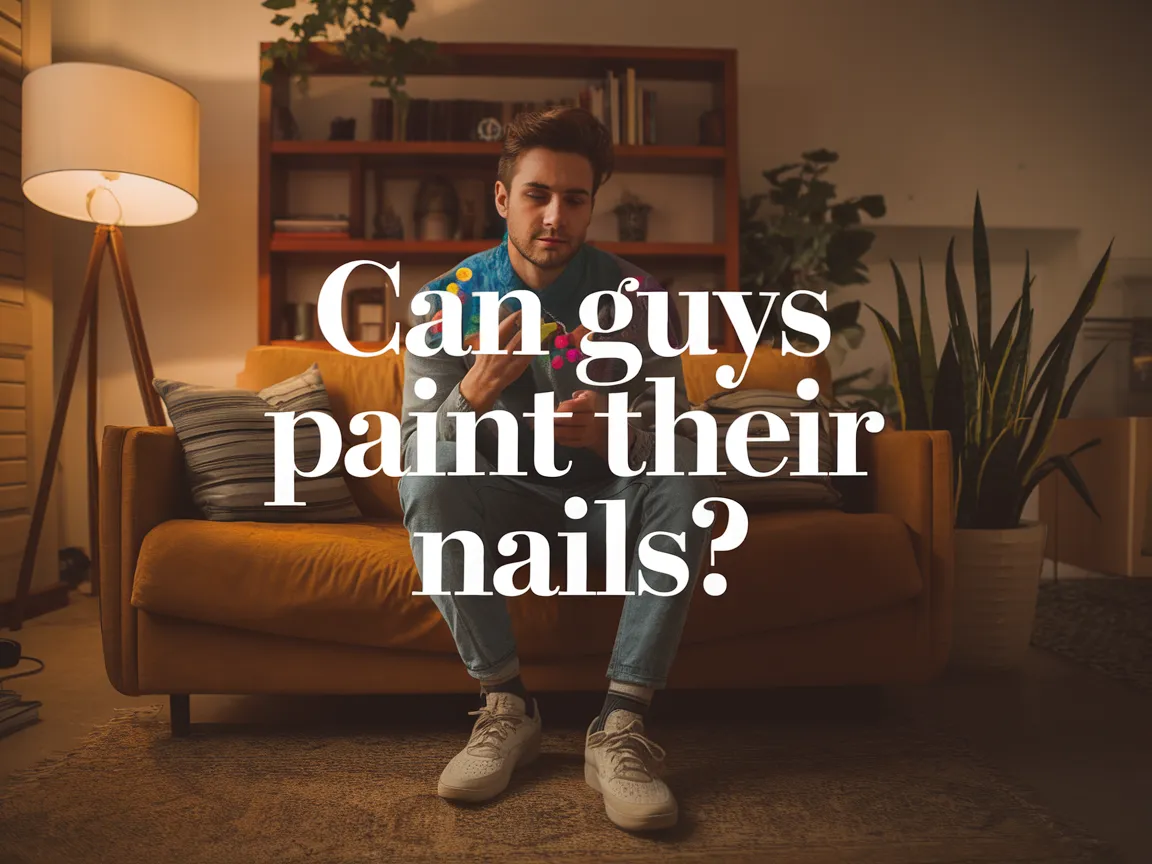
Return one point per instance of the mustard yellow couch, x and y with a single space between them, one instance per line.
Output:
190 606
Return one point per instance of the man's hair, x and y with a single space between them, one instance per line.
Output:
565 130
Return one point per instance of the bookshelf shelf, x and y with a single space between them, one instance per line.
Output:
367 161
427 250
417 156
555 60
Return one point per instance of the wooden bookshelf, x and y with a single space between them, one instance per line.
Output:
278 252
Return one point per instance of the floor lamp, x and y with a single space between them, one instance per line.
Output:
114 147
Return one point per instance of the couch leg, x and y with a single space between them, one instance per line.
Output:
180 709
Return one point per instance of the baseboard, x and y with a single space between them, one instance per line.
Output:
45 600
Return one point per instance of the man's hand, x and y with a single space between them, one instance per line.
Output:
492 373
583 428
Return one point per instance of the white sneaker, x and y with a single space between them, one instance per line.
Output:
625 767
503 738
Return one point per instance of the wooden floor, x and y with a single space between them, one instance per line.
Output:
1081 741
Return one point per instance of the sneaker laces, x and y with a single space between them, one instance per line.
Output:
492 729
635 756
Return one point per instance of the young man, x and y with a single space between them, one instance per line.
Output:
552 166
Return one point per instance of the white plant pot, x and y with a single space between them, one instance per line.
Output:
997 577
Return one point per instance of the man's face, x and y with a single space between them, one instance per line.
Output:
548 207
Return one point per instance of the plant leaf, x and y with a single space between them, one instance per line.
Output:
982 273
907 386
853 335
910 349
1009 353
873 205
787 193
1051 384
279 4
843 315
928 370
821 156
1017 362
844 214
996 489
961 335
1065 337
773 176
948 399
842 383
1078 383
1063 463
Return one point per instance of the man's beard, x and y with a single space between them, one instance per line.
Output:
525 249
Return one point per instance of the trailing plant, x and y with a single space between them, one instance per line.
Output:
813 242
1000 411
388 59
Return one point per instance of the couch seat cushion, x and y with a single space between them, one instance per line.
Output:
353 582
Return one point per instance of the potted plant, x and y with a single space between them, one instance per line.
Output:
1000 412
632 216
813 242
388 59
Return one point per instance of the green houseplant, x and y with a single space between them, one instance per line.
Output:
1000 413
813 242
388 59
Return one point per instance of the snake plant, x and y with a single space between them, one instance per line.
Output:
1001 412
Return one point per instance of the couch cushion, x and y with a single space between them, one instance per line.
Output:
354 384
784 489
768 370
228 441
353 583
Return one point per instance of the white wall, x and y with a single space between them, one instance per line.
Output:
1041 105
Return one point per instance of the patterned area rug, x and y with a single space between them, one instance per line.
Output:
812 793
1103 623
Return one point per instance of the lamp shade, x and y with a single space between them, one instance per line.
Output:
110 145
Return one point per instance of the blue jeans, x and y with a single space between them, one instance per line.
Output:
493 505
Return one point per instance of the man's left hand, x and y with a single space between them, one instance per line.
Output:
583 428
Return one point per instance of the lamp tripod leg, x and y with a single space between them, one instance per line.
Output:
87 302
93 454
141 360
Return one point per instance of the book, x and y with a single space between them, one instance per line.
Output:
598 103
320 222
383 115
317 235
16 715
648 116
630 106
613 99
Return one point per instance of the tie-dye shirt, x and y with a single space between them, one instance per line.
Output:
590 270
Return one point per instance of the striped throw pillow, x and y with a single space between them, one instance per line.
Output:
228 450
781 490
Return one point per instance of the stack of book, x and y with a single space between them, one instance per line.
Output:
328 226
625 108
16 713
628 110
447 119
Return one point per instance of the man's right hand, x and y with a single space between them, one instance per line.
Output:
492 373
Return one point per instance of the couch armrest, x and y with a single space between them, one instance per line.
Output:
910 476
142 483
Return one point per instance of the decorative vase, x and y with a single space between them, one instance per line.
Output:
633 224
996 582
